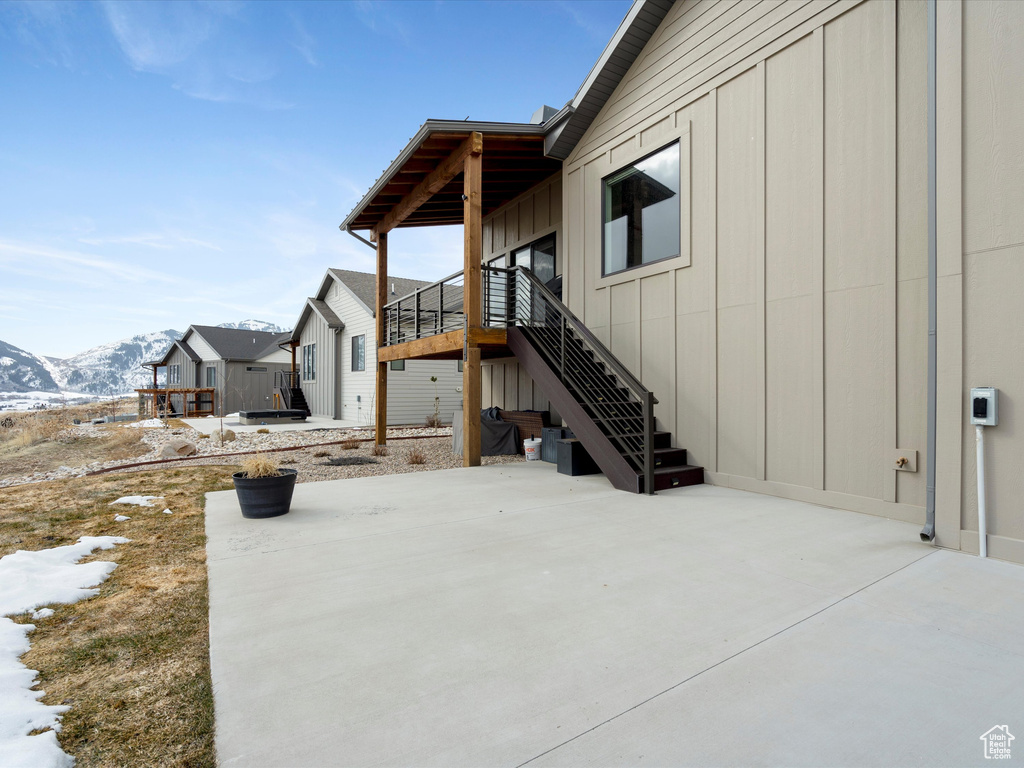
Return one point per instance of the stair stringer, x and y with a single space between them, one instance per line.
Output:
618 471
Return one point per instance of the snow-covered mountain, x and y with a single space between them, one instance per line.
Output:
255 325
21 371
113 368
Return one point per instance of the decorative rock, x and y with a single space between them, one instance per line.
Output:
178 447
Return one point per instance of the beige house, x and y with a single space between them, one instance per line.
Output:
754 208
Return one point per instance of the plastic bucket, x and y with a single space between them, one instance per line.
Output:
532 449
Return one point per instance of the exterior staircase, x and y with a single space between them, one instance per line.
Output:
288 388
607 408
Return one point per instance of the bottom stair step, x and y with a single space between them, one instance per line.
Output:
666 478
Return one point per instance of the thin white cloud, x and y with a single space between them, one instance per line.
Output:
199 47
160 241
29 259
303 42
41 26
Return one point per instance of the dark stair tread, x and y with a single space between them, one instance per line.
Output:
666 478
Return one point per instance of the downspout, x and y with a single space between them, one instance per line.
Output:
360 238
928 532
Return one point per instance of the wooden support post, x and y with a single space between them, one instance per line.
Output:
472 304
381 396
294 344
155 393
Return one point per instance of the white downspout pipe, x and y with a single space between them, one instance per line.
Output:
979 439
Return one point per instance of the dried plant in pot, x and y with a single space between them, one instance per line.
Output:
264 489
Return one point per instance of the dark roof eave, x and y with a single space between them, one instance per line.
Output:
443 126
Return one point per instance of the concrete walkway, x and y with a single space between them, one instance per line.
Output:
208 424
507 615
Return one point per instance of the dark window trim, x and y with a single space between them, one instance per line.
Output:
361 360
601 212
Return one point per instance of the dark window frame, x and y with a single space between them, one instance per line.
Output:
359 353
678 194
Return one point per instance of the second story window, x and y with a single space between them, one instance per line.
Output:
641 212
174 374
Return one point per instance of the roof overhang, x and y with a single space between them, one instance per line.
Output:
319 307
513 162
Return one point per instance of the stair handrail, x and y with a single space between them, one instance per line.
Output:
604 355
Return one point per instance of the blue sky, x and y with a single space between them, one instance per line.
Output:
163 164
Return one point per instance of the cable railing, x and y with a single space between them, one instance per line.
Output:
437 308
612 396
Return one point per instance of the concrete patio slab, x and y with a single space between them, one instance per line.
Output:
210 423
507 615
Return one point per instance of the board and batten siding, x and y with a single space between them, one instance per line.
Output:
341 393
530 216
773 341
986 272
188 368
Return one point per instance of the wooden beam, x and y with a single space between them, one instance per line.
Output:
472 304
435 182
442 344
381 393
471 408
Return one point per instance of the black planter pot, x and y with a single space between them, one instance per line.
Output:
261 497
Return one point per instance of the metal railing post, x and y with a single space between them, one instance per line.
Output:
649 442
439 317
561 365
416 316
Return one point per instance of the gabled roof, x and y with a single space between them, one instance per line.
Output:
509 171
179 344
319 307
629 39
363 286
239 344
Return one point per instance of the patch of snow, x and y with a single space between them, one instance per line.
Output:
168 512
42 613
146 424
123 518
27 581
139 501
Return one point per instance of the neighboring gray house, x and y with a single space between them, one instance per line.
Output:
337 354
239 365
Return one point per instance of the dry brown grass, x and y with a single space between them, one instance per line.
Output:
260 465
349 445
262 431
433 420
43 444
132 662
321 454
379 450
416 456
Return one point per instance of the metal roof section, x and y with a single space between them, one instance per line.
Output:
629 39
558 133
445 127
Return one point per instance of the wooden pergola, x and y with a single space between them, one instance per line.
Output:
444 177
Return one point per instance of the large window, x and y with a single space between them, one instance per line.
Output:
359 353
211 376
640 212
174 374
309 362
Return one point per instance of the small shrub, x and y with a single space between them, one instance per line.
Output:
260 465
262 431
203 436
379 450
349 445
321 454
433 420
416 456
